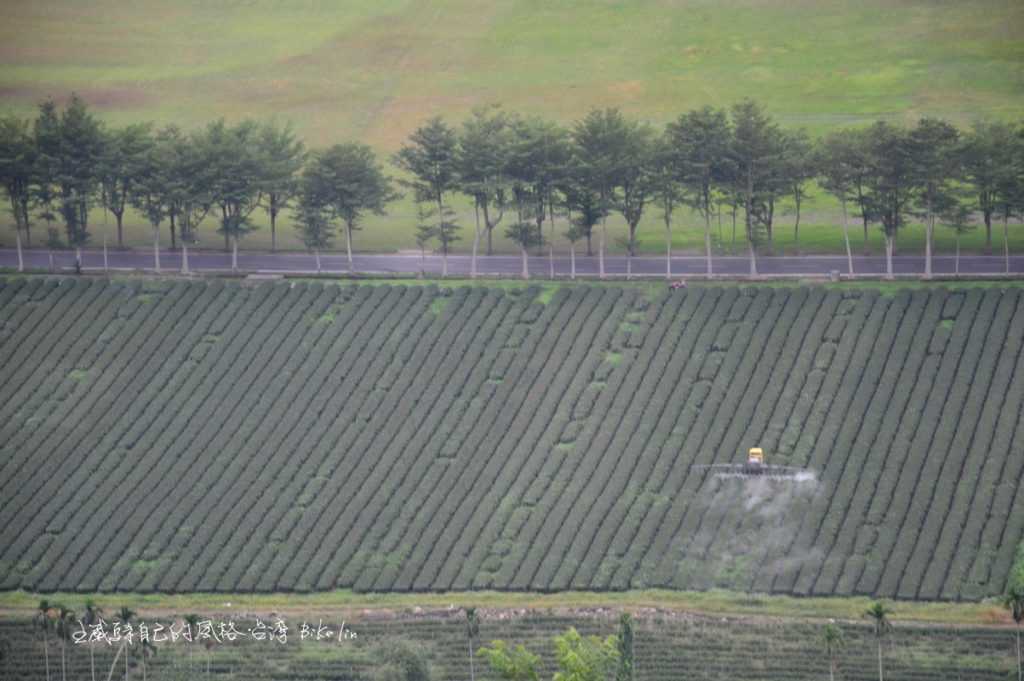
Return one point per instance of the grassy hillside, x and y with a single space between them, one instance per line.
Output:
309 437
373 71
667 646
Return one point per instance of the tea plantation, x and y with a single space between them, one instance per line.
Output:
666 647
183 436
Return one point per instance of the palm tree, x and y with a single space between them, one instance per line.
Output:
624 643
91 617
208 644
1014 600
833 638
879 614
472 630
148 650
65 620
193 624
44 621
126 616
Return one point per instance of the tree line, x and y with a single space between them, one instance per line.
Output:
521 174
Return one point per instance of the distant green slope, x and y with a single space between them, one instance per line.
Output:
218 437
374 70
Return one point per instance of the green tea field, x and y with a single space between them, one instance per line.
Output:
184 436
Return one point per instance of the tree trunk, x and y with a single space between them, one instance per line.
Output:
796 230
888 257
956 269
120 233
846 238
184 258
707 241
629 266
1006 243
78 259
234 254
476 240
526 267
316 254
348 247
551 242
490 231
17 240
988 235
732 248
423 262
590 234
156 249
174 243
928 226
113 662
668 249
865 236
600 249
748 224
273 230
46 653
444 262
106 264
572 261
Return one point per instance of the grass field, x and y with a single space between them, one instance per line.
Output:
345 602
310 437
395 230
667 646
373 71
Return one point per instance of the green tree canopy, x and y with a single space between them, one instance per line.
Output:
282 155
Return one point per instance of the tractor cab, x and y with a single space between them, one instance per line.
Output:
755 461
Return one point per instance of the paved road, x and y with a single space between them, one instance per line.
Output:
508 265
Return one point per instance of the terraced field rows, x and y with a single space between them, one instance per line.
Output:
173 436
714 649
